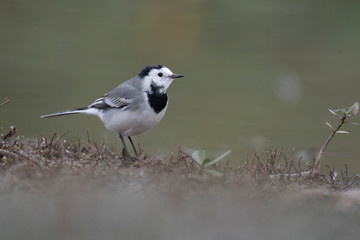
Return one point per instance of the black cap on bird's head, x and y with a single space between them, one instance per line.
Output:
147 69
145 72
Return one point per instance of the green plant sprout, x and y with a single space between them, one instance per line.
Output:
203 163
343 114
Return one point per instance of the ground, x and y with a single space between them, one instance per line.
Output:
52 188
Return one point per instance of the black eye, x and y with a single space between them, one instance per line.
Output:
160 74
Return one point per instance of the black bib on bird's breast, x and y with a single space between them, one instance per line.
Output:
157 99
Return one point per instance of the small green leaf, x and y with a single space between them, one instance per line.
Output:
349 110
213 172
206 161
199 156
353 110
218 158
195 156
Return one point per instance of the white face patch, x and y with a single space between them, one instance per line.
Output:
160 77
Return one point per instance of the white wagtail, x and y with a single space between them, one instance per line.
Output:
134 106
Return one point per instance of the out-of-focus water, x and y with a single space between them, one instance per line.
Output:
258 73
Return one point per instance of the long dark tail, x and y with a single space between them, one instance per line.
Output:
67 112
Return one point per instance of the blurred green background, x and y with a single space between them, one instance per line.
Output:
258 74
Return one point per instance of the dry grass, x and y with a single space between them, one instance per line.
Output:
46 158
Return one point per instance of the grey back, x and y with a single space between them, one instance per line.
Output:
128 94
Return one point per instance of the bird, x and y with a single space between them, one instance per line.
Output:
134 106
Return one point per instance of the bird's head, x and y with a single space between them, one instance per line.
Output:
159 75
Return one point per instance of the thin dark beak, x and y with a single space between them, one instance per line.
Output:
176 76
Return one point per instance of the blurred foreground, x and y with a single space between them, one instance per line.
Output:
53 189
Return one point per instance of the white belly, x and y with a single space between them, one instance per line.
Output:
131 123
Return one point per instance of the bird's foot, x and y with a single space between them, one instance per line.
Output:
131 159
126 155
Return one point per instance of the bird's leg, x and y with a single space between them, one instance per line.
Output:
132 144
123 142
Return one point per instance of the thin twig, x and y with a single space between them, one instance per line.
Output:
333 132
9 154
10 133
